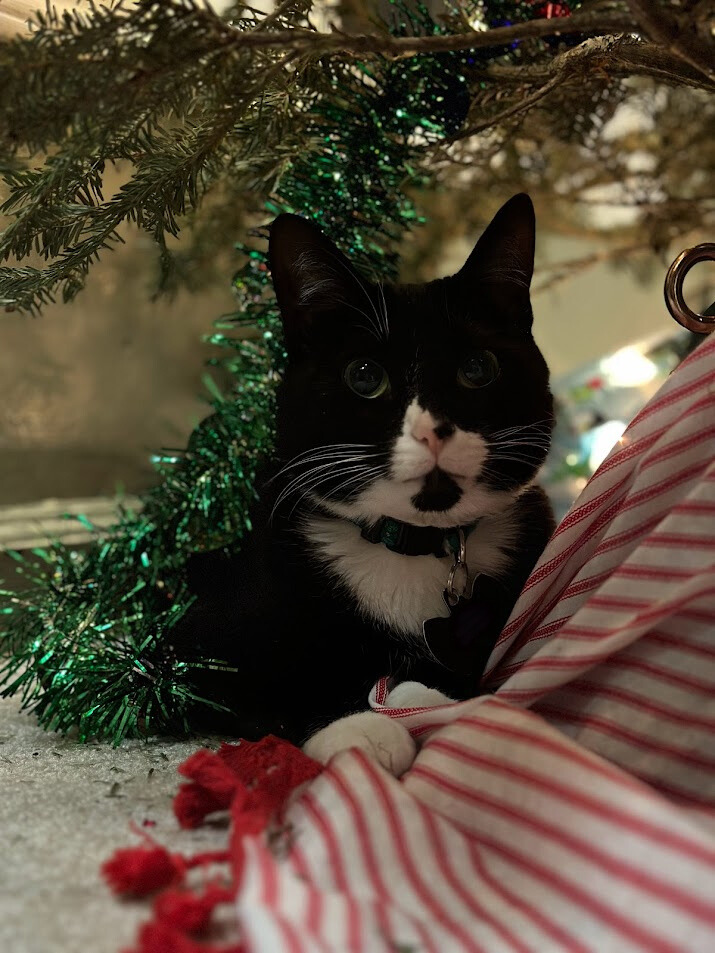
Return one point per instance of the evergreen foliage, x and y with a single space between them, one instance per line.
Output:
191 102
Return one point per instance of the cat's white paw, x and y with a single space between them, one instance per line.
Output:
380 737
416 695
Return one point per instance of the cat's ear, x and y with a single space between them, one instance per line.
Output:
505 252
310 275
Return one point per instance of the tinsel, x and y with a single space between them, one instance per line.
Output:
87 636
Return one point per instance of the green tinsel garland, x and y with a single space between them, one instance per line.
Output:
86 636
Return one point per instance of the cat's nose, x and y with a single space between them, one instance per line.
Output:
428 431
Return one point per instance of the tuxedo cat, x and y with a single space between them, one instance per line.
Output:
397 519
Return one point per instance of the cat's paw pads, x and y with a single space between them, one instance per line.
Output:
380 737
416 695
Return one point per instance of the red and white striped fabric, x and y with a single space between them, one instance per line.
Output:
573 809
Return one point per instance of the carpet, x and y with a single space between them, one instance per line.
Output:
64 809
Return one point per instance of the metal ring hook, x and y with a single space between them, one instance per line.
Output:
673 290
457 587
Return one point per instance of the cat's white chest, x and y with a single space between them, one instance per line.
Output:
399 591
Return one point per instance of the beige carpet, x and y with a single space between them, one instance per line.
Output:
64 809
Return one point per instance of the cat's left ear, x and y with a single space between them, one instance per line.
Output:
504 255
310 275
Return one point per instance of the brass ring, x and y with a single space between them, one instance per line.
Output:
700 323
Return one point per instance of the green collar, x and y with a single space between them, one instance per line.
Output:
410 540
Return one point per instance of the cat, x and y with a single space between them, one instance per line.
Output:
411 423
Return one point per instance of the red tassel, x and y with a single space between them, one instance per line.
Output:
162 938
193 803
270 769
209 769
138 871
214 787
254 779
188 911
251 759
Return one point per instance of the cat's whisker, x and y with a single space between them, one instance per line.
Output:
384 309
315 476
294 485
358 470
370 330
523 460
321 452
543 442
330 446
534 435
522 432
537 442
327 457
527 450
363 479
308 475
370 475
362 287
363 474
371 326
545 425
520 447
539 448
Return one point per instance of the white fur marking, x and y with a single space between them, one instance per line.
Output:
403 591
462 456
380 737
416 695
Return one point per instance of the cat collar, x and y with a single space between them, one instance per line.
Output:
410 540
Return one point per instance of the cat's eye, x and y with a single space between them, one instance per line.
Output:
478 370
366 378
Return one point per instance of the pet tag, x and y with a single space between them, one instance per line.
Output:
455 640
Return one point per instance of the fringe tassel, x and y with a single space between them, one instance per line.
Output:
252 781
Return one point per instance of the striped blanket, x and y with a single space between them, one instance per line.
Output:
572 807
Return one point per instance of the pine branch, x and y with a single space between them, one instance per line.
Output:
190 101
397 47
517 109
610 56
675 35
653 58
172 176
616 56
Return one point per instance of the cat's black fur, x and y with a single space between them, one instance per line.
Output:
304 651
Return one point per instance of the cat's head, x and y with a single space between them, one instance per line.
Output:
427 403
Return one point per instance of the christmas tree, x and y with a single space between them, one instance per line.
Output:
359 131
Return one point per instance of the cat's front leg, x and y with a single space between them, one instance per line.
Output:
382 738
